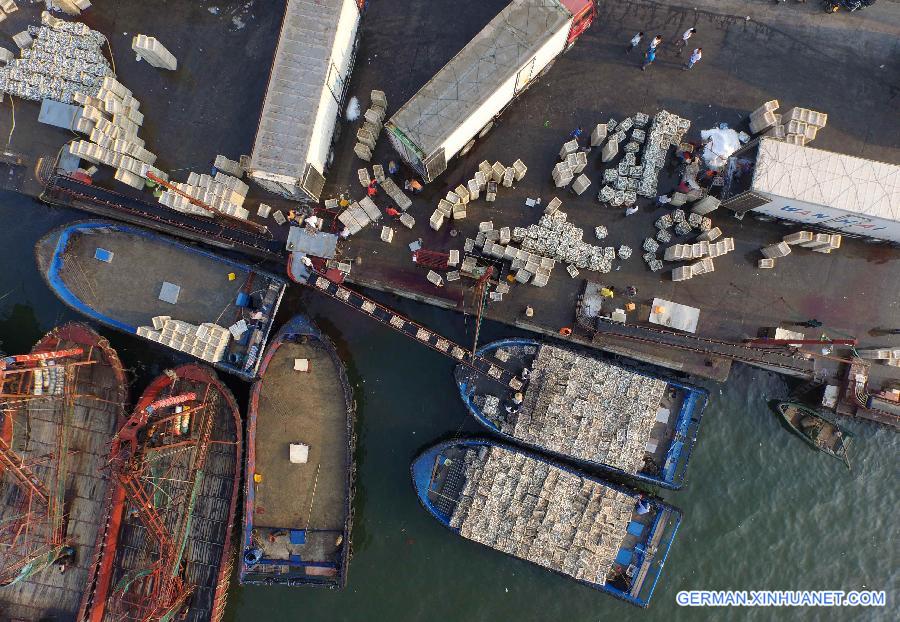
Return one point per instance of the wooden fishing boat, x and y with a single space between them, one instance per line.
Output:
639 424
298 494
193 301
61 405
175 468
816 430
608 537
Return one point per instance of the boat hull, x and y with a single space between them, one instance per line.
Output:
209 534
53 251
251 568
673 476
50 594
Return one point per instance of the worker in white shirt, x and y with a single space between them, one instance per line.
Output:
696 55
635 40
682 42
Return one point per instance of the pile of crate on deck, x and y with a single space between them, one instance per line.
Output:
208 342
541 513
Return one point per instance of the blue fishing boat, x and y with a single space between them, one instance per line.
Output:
209 307
605 536
298 493
579 407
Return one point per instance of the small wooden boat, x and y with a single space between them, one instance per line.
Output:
816 430
298 513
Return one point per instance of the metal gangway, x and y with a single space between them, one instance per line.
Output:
409 328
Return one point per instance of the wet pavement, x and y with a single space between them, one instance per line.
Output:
792 52
851 291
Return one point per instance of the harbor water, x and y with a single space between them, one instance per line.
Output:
762 510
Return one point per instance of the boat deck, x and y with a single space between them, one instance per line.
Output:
49 594
128 287
210 516
662 433
302 407
641 546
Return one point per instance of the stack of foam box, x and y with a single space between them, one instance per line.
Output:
399 197
888 356
208 342
797 126
562 174
774 251
112 120
359 215
764 117
527 266
683 273
154 52
70 7
823 242
224 193
229 167
704 248
373 122
819 242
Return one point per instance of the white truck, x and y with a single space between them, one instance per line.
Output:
460 103
306 92
775 179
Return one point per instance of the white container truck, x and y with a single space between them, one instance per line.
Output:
462 100
814 187
305 96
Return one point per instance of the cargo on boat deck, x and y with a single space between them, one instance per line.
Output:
215 309
608 537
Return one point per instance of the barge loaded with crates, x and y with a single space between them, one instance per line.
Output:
166 540
298 495
61 406
582 408
215 309
605 536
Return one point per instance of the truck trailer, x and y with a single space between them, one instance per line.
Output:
780 180
307 87
459 104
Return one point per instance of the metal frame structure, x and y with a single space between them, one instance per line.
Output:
35 537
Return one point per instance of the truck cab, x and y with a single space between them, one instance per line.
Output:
583 14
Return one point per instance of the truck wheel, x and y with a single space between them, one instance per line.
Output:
467 148
487 128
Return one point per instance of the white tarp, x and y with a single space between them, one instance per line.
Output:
721 144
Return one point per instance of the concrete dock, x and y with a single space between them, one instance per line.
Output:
206 107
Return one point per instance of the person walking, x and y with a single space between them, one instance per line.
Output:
682 42
649 57
655 42
635 40
696 55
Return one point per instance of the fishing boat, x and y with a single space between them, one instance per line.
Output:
176 467
298 491
60 406
582 408
605 536
816 430
142 283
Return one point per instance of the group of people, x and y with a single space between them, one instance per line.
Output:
680 45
